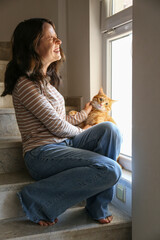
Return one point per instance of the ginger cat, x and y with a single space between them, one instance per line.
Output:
101 107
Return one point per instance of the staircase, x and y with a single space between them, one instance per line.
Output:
73 224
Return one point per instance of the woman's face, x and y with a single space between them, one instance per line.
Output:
49 45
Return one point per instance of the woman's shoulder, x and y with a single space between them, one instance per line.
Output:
25 82
23 79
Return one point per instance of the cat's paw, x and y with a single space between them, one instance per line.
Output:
72 113
119 162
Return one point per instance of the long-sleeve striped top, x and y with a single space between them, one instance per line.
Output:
41 116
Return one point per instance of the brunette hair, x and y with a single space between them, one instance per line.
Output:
25 60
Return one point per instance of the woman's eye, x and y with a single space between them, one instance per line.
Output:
52 38
106 104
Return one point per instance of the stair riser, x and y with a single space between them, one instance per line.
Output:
8 124
10 206
11 160
5 102
3 65
121 233
94 234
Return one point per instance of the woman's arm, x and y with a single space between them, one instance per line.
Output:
77 118
81 116
40 107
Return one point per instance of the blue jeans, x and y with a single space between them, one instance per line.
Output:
81 168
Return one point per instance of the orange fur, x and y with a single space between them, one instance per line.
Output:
101 107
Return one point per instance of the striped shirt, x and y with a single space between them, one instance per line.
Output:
41 115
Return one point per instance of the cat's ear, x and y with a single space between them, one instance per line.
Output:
113 101
101 91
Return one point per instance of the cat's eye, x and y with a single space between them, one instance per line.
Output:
106 104
101 99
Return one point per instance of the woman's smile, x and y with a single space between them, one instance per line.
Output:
57 50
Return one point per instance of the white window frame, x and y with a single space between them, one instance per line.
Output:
118 19
114 27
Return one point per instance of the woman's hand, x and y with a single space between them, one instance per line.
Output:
88 107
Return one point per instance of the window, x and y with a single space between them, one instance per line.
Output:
117 69
121 89
119 5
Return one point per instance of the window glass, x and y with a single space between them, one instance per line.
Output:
121 88
119 5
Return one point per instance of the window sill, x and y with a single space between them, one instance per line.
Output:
125 162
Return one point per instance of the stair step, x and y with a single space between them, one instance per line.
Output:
3 64
11 156
5 102
10 184
73 224
8 123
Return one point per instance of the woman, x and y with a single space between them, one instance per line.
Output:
69 164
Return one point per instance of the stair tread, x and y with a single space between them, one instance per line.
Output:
74 221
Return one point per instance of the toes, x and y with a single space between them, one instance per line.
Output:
42 223
50 223
45 223
102 221
105 220
110 218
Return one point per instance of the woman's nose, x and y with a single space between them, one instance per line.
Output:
58 41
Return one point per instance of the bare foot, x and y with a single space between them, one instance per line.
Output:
45 223
106 220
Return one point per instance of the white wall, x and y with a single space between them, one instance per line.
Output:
95 44
62 34
84 52
14 11
78 48
146 120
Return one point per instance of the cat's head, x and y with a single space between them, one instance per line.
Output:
102 102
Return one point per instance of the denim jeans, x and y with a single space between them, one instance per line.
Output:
81 168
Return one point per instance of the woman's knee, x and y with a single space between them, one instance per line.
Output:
109 126
116 172
111 129
110 170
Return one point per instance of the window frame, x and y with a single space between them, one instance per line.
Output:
116 20
113 27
